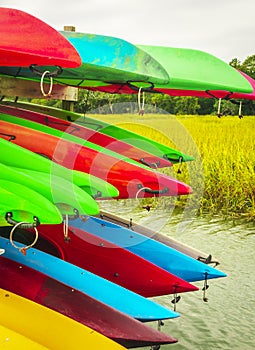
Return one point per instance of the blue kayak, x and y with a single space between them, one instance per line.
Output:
170 259
99 288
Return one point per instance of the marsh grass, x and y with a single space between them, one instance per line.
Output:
223 174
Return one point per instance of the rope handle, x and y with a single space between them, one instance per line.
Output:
23 250
141 106
46 94
66 219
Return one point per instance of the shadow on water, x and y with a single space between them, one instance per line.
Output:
227 320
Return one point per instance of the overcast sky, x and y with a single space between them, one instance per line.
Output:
224 28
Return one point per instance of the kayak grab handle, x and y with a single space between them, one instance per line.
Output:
149 190
136 85
81 122
34 68
151 165
24 225
11 137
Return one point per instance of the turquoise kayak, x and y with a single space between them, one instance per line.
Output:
158 253
82 280
167 240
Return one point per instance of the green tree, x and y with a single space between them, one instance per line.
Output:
186 105
248 66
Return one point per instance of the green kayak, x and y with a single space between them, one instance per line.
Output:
68 198
196 70
24 204
16 156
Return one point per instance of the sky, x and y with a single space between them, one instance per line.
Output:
223 28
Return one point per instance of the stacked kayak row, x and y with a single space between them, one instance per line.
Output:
80 257
87 275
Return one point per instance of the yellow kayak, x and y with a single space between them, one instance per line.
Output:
11 340
49 328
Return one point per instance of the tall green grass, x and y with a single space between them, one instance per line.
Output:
223 174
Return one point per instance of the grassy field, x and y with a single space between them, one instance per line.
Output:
223 174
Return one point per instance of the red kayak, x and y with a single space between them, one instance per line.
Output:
110 261
35 286
26 41
85 133
131 180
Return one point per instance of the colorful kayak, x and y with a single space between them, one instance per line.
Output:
189 70
16 156
47 327
90 135
68 198
19 203
112 262
196 70
129 137
158 253
35 286
20 46
104 59
168 241
10 339
131 179
110 59
84 281
223 94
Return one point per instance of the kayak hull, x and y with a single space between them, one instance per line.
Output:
131 180
47 327
20 45
106 141
35 286
157 253
84 281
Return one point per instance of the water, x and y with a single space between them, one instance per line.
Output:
227 320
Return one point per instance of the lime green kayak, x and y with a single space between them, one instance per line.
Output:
69 198
16 156
196 70
25 204
119 133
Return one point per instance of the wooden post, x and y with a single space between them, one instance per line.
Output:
69 28
68 105
15 87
